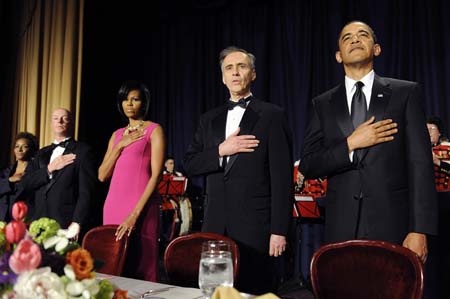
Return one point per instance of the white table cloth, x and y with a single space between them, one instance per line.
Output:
137 287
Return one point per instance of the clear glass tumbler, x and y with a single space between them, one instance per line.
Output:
216 267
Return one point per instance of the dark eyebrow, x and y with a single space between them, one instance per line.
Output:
363 30
347 34
359 32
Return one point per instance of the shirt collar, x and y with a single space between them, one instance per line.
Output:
58 142
245 98
367 80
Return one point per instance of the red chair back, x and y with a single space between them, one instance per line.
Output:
366 269
101 243
182 258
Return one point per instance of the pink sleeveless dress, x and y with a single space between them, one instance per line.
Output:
130 177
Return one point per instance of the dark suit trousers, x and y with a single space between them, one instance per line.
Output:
256 271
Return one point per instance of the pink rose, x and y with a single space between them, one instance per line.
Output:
19 210
26 257
15 231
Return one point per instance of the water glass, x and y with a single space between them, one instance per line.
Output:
215 269
216 246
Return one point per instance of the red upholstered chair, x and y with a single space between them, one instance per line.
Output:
182 258
101 243
366 269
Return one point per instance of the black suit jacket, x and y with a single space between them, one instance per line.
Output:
9 192
395 178
68 196
252 197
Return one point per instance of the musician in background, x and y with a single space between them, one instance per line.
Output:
437 133
438 270
170 167
172 214
299 179
308 220
315 188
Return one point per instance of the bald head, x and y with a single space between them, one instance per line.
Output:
61 123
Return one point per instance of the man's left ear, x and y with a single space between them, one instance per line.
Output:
376 50
253 74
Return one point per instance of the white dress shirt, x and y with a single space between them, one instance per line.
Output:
234 118
57 151
350 88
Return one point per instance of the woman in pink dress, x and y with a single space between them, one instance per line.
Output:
134 160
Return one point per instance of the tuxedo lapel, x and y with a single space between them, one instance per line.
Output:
246 126
219 126
340 109
250 117
44 158
70 147
381 94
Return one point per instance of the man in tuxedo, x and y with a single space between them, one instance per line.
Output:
368 136
244 149
169 166
63 176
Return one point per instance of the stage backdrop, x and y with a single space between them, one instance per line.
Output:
173 46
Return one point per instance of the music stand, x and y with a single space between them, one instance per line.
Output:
306 207
171 188
172 185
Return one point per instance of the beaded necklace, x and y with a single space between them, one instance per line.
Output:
131 129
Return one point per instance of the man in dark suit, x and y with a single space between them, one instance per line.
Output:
63 176
367 135
244 149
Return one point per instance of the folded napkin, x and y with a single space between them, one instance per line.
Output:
232 293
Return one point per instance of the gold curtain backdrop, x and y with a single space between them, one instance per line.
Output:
48 65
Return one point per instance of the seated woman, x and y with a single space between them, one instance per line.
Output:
25 147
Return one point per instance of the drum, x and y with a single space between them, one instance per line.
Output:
176 218
185 212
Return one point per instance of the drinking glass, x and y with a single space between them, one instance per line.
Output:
216 245
216 267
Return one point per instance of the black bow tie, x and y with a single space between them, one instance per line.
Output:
242 103
61 144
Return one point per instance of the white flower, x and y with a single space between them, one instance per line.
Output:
39 284
86 289
62 238
68 271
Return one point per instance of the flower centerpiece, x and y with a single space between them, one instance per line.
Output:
45 262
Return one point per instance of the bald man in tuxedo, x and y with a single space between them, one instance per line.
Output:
63 176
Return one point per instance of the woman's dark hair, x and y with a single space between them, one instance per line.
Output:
33 145
144 93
